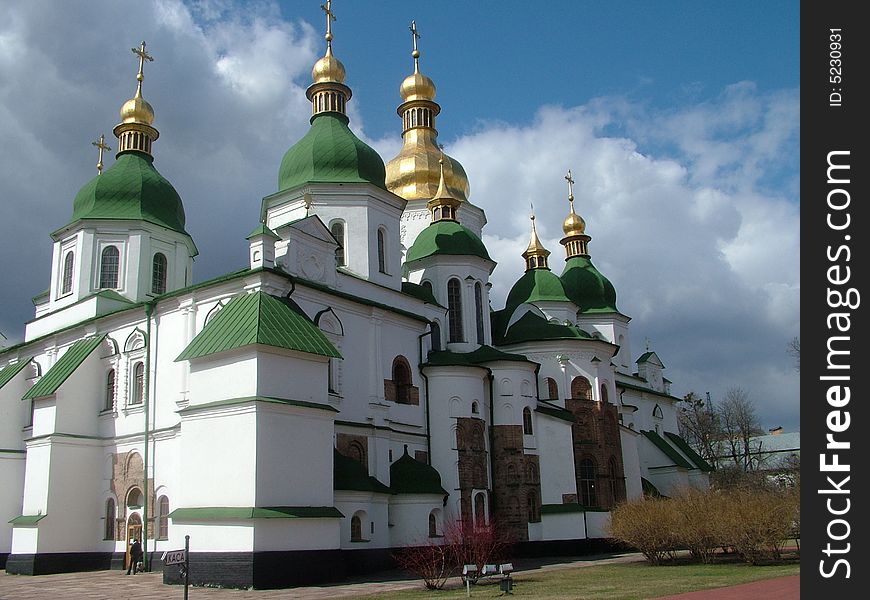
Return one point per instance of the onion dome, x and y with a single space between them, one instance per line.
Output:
446 238
535 255
132 189
575 240
411 476
536 285
443 206
587 287
415 172
330 152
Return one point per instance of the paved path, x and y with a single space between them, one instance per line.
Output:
115 585
780 588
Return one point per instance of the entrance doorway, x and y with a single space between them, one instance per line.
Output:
134 532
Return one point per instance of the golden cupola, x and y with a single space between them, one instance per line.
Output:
415 173
135 131
575 241
443 205
535 255
327 92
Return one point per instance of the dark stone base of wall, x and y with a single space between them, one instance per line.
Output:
3 556
270 570
58 562
580 547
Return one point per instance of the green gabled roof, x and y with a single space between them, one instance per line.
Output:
410 476
446 237
646 356
558 509
10 371
419 292
259 318
484 354
531 327
27 520
64 367
261 229
536 285
586 287
131 189
232 513
689 451
649 489
330 153
350 475
555 411
647 390
669 450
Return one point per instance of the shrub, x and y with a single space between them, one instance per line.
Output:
755 524
650 525
697 522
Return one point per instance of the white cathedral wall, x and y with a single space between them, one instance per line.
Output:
215 536
296 534
372 510
631 464
409 518
564 526
291 375
11 488
223 376
556 449
598 524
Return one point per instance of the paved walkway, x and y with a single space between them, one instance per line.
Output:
115 585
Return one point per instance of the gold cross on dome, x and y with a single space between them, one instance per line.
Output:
330 17
143 56
415 35
570 179
101 144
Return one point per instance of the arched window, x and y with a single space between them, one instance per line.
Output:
454 310
433 524
478 306
615 482
402 380
552 389
475 409
109 525
66 280
587 483
657 412
356 528
158 274
109 265
134 498
337 230
603 393
163 518
138 383
382 252
356 451
527 421
436 335
479 509
110 389
532 504
580 388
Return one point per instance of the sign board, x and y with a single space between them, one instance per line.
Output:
174 557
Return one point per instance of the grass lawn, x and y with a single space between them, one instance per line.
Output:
626 581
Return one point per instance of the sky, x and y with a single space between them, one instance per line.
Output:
680 121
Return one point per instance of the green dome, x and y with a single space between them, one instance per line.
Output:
410 476
536 285
330 153
131 189
586 287
446 237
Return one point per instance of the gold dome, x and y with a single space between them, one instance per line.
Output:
328 69
414 174
417 87
137 110
574 224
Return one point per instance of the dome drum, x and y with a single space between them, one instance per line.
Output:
328 96
135 136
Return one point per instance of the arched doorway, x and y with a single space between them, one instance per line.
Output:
134 532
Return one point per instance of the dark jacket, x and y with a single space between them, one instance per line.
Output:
136 550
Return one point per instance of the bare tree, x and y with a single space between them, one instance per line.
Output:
699 426
794 350
739 424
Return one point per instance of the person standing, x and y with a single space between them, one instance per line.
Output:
135 556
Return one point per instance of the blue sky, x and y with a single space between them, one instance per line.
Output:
680 121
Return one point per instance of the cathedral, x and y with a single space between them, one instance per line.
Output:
350 392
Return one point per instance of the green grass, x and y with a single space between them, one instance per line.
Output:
626 581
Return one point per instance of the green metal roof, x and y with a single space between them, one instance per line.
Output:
350 474
555 411
586 287
259 318
419 292
531 327
131 189
536 285
669 450
689 451
261 229
10 371
646 356
260 399
232 513
410 476
27 520
64 367
484 354
557 509
446 237
330 153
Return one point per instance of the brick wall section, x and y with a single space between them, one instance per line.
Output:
516 475
127 473
471 450
596 435
353 446
391 393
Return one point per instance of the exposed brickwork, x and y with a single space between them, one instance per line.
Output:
406 394
596 436
353 446
422 456
516 477
128 473
471 450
